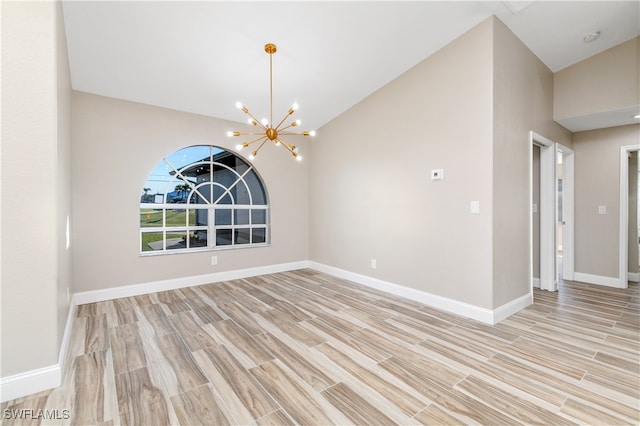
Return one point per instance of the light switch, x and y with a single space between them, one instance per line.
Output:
475 207
437 174
602 209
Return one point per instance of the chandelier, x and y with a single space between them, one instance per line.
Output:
267 131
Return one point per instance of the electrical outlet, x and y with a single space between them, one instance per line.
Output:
374 264
437 174
214 260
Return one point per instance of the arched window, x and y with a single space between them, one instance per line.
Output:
203 198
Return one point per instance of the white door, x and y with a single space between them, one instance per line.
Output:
564 213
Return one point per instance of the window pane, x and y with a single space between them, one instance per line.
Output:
226 199
241 194
241 217
198 217
239 165
198 197
176 240
259 235
178 190
150 218
147 195
176 217
156 184
189 155
258 216
223 237
243 236
198 239
223 175
152 241
198 172
223 217
258 195
217 191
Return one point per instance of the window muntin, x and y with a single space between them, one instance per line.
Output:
202 198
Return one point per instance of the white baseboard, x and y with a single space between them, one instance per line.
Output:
484 315
93 296
513 307
477 313
599 280
41 379
536 282
33 381
633 276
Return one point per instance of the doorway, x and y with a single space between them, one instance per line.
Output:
552 247
628 212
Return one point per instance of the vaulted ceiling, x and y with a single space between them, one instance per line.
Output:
204 56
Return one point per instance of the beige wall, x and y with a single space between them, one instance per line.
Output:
633 261
371 196
604 82
115 145
63 170
522 101
597 182
30 327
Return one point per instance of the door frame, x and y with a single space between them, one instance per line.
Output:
625 151
548 211
568 163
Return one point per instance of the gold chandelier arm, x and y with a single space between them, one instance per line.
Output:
258 123
246 144
287 127
305 133
254 153
247 133
289 147
290 112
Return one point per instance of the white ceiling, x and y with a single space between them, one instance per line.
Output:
204 56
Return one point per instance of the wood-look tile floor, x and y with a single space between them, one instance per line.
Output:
306 348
